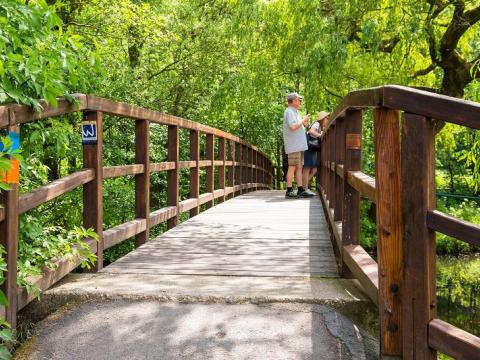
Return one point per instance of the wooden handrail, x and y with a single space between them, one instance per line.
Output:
403 192
241 168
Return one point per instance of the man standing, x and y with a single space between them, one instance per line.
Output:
295 142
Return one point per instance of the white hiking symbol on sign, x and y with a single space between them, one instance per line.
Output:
89 133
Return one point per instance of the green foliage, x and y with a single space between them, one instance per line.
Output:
38 59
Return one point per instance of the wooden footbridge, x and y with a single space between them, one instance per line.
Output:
255 231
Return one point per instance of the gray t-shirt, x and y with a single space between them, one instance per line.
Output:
294 140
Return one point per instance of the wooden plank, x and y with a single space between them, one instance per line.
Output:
210 172
187 164
431 105
21 114
389 228
187 205
161 166
204 198
9 241
54 189
221 170
161 215
173 175
419 291
112 107
457 228
205 163
364 268
123 232
142 181
363 183
195 172
93 191
122 170
50 276
453 341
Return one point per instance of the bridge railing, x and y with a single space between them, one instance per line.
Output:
240 166
403 283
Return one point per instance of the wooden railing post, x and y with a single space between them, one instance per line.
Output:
419 292
231 169
245 169
331 158
339 159
351 197
92 191
9 240
239 167
221 168
210 178
389 228
172 175
142 181
195 171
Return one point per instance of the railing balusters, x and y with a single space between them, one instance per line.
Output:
419 292
173 174
389 228
9 240
93 191
195 171
142 181
210 170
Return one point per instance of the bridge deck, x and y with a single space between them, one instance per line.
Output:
257 234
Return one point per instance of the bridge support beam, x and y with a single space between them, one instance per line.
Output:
195 171
389 229
351 197
419 293
9 240
142 181
92 191
172 175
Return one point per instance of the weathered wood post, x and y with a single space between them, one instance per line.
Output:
195 171
231 169
210 170
221 168
351 197
419 291
92 191
142 181
331 159
172 174
239 160
339 159
389 229
9 240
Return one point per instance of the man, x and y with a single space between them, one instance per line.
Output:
295 142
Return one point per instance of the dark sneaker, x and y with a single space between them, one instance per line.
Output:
290 195
305 194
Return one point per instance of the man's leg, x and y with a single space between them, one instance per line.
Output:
299 173
290 173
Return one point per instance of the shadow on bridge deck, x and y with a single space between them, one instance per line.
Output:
268 258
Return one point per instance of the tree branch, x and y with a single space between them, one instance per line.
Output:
423 72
